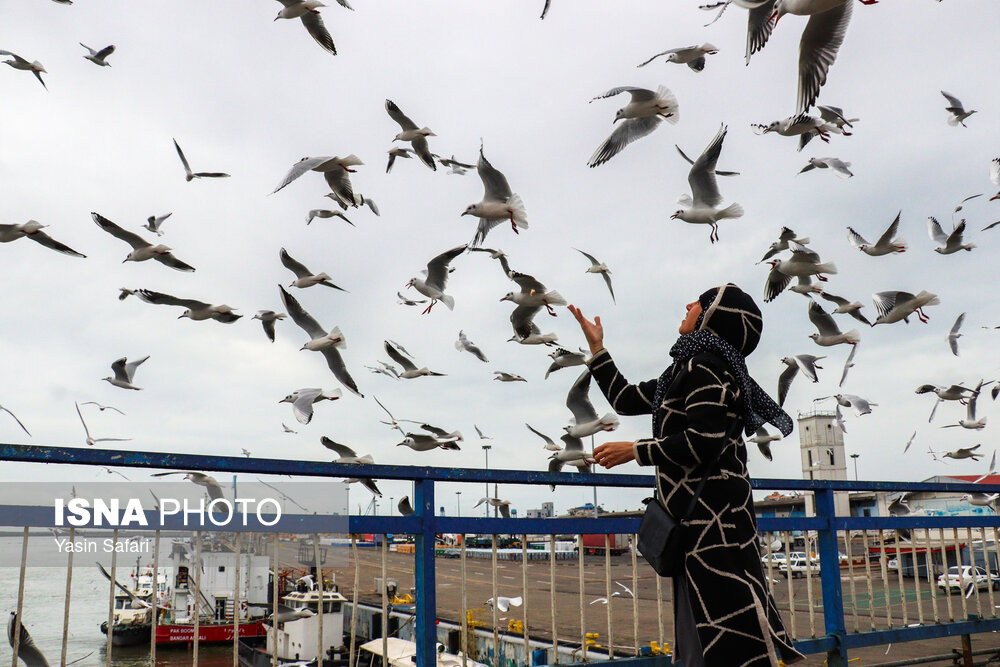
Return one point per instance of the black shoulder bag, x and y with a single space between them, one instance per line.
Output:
661 537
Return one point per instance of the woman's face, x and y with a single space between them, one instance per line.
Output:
693 311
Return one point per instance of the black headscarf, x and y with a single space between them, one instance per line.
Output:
729 325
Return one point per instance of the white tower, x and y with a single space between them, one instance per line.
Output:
821 445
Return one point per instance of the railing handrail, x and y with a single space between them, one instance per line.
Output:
266 466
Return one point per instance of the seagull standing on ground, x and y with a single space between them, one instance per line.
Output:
499 202
641 116
702 206
307 10
190 175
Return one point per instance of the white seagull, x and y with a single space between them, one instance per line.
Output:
702 205
267 319
800 362
124 372
92 441
949 243
803 126
784 236
417 136
326 213
837 165
954 335
336 171
410 369
99 57
141 248
504 507
803 262
303 276
502 603
971 422
435 278
195 310
601 268
585 419
7 410
885 245
549 444
17 62
893 306
313 329
302 401
307 10
829 333
533 293
641 116
201 479
763 440
154 222
563 358
499 202
508 377
463 343
100 407
692 56
32 229
957 111
845 307
191 175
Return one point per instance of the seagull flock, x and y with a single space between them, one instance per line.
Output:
312 318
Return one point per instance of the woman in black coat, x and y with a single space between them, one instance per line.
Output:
724 614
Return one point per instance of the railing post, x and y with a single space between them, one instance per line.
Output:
426 621
829 562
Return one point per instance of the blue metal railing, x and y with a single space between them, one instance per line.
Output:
424 525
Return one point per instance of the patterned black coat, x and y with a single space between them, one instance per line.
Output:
736 619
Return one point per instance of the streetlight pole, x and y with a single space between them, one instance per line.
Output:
458 503
486 450
855 457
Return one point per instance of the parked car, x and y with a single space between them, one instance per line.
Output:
797 567
777 558
961 578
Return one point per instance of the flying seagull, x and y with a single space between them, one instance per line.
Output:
435 278
124 372
302 401
601 268
99 57
954 335
303 276
885 245
957 111
190 175
640 117
141 248
410 369
90 440
692 56
800 362
3 409
499 202
307 11
194 309
308 324
201 479
834 164
267 319
155 222
17 62
102 408
463 343
417 136
32 229
948 243
702 205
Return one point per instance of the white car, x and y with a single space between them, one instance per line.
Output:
962 578
777 558
798 567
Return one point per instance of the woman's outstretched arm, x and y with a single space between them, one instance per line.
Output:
625 398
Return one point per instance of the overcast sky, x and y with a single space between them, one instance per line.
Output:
250 96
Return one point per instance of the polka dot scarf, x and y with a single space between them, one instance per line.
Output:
729 326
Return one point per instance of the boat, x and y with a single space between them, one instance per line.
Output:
402 653
294 641
214 603
132 621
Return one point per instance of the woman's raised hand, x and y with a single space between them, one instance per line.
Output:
592 331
